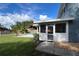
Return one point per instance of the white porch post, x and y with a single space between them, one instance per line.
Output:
53 32
46 32
54 29
37 30
66 27
67 30
46 41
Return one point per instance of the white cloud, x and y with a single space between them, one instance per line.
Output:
19 18
10 19
43 17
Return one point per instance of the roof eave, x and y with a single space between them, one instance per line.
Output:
54 21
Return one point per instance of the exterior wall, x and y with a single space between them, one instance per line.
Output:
4 32
56 36
42 36
62 36
74 31
72 10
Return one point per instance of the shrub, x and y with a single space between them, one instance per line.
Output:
36 39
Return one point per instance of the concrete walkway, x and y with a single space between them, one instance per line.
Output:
52 48
26 35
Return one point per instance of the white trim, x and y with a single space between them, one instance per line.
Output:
53 29
54 32
39 28
67 30
47 32
66 27
50 34
39 32
54 20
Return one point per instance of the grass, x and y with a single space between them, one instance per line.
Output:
10 45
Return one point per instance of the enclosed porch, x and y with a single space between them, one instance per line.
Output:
54 30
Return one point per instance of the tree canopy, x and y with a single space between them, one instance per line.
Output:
21 26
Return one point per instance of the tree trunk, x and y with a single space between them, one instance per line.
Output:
18 33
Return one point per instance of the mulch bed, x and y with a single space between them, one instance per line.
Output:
68 46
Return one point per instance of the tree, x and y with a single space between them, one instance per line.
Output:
25 25
16 28
21 27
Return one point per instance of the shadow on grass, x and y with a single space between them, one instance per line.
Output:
20 49
16 49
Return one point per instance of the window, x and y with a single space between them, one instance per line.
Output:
50 29
43 28
60 28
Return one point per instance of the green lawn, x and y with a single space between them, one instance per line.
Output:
12 45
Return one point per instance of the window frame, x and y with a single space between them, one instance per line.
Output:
50 27
42 29
60 31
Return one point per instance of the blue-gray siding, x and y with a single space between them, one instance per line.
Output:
72 10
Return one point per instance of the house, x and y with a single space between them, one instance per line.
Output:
4 31
69 11
32 29
63 29
54 30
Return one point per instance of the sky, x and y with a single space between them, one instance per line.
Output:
10 13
